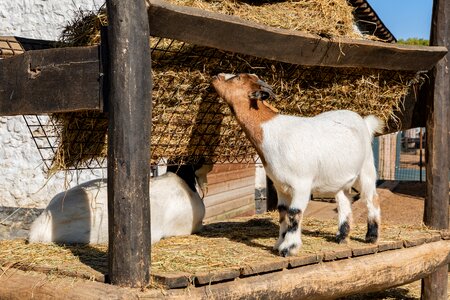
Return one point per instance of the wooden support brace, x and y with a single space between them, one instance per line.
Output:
129 105
52 80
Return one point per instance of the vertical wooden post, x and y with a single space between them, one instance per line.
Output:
437 151
129 106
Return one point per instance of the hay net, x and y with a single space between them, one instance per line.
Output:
189 121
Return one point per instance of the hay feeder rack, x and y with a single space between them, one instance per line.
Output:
106 78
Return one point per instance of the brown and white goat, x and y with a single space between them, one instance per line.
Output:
327 153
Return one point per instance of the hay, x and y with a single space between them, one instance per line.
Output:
233 243
329 18
190 122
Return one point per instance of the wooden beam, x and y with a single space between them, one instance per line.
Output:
437 161
230 33
52 80
129 143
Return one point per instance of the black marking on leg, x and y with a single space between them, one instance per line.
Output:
283 235
372 232
294 211
294 215
285 252
344 230
293 227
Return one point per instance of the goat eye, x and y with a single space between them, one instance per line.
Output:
264 95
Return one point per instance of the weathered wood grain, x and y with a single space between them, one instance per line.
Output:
234 34
216 276
52 80
437 145
389 245
331 280
173 280
129 105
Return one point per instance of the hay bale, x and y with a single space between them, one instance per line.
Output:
189 121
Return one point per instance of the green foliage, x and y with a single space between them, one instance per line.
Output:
414 41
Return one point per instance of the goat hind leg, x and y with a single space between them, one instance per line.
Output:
345 217
369 195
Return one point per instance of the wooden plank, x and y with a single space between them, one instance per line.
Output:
234 34
229 195
413 242
437 145
225 207
364 250
225 176
337 254
434 237
172 280
245 210
220 187
219 168
265 267
296 261
129 107
202 278
52 80
389 245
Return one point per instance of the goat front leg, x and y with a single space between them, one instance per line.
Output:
282 211
292 236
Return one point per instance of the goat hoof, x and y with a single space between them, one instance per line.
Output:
290 250
371 239
341 240
284 252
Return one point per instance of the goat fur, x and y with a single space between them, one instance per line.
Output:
80 214
329 153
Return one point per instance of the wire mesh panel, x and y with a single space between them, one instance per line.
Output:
47 135
190 122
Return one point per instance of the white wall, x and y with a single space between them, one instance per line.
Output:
22 180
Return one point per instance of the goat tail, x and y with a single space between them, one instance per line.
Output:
374 124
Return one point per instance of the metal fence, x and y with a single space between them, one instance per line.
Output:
401 155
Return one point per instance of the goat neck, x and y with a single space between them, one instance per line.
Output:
244 94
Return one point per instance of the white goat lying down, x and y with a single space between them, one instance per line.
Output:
327 153
80 215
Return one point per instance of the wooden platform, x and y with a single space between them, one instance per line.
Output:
224 251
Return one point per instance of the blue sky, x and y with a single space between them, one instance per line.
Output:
405 18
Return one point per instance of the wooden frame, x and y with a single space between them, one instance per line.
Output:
129 99
233 34
41 73
437 155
